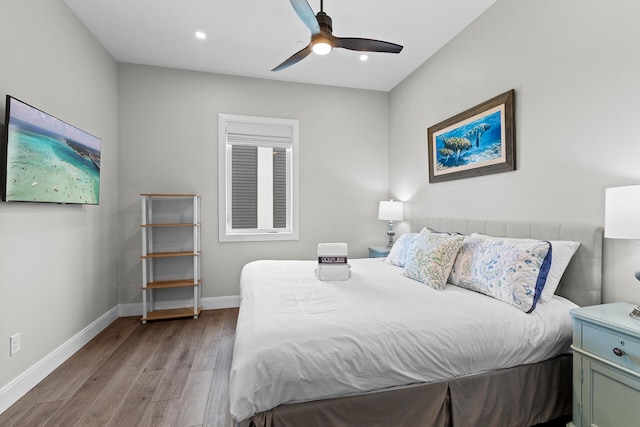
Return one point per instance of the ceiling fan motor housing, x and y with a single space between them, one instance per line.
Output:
325 22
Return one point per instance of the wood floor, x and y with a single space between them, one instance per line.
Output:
164 373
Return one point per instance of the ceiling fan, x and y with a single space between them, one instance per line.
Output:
322 39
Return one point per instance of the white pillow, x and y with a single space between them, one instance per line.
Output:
400 248
561 253
450 233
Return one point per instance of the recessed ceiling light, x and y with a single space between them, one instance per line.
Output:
364 58
201 35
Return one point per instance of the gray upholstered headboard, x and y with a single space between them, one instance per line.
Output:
582 280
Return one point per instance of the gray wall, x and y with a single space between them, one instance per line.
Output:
575 67
57 263
168 133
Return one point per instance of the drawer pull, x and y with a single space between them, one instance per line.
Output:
618 352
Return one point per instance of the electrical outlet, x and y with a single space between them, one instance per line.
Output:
14 341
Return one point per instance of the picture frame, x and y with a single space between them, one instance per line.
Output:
478 141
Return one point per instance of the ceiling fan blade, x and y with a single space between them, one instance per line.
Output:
295 58
305 13
366 45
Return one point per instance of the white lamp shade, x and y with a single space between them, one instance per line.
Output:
391 211
622 212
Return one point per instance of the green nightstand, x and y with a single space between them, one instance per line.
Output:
606 366
378 251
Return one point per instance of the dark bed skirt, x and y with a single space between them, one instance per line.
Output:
521 396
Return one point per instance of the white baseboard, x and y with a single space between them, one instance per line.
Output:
10 393
215 303
211 303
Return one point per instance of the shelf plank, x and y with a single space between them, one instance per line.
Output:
181 224
169 254
164 284
173 313
170 195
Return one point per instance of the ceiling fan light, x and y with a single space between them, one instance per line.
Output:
322 47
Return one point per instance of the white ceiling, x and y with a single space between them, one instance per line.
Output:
250 37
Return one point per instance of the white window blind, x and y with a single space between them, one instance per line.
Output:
258 178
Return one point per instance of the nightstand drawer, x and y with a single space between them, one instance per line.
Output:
614 347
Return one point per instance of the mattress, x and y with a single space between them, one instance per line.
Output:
300 339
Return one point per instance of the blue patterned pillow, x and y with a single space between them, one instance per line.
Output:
399 250
431 257
511 271
563 251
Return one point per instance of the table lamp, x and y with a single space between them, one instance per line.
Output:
622 218
390 211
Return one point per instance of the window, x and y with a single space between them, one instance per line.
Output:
258 178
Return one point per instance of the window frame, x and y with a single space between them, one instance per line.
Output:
225 231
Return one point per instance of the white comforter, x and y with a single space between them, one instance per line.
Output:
300 339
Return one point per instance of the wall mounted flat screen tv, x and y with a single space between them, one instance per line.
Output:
45 159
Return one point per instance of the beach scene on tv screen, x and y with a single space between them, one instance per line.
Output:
49 160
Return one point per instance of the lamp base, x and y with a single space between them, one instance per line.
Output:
390 233
635 313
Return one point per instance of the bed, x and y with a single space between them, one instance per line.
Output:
350 354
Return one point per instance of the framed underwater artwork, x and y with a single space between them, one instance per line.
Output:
478 141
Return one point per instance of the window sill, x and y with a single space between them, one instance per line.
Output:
258 237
